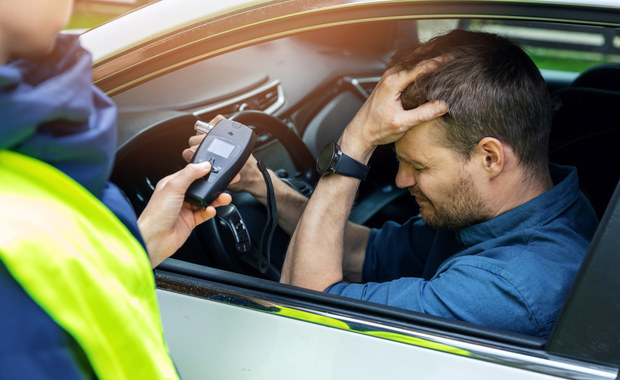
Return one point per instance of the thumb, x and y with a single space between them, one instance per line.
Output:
191 172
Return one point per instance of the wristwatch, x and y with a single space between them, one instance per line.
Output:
332 160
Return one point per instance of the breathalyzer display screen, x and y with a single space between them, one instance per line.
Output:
221 148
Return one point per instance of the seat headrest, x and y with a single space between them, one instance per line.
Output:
604 77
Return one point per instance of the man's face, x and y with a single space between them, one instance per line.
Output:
440 180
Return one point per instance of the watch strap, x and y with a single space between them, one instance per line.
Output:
350 167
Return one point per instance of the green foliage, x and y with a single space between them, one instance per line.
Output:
87 20
567 60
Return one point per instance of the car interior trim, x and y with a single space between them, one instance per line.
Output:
359 83
244 98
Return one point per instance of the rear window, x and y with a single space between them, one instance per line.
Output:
552 46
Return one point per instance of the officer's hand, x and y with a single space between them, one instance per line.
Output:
167 220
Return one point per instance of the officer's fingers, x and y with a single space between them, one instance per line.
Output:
201 215
181 180
222 200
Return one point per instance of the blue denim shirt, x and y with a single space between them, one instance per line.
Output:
512 272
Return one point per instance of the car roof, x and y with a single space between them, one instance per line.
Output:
162 17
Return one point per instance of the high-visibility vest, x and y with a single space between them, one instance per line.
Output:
78 262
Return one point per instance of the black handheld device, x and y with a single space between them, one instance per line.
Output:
226 146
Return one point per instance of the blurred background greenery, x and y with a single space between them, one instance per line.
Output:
90 13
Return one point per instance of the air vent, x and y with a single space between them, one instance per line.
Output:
268 98
264 101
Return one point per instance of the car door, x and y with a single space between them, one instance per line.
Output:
225 326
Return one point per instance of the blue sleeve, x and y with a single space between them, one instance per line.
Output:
116 201
462 292
397 250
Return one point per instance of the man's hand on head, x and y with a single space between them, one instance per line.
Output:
323 242
383 119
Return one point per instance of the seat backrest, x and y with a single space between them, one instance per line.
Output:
603 77
586 131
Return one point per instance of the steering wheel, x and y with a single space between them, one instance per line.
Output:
302 158
225 234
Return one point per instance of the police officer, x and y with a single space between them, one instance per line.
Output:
75 277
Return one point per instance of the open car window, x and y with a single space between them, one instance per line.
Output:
313 82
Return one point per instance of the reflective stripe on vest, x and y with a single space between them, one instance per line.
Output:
83 267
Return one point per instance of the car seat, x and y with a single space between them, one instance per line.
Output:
586 131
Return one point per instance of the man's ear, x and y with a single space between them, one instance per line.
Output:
491 155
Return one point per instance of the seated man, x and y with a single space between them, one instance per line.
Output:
500 234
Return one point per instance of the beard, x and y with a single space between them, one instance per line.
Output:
460 208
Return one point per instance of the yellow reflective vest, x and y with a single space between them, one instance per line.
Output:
78 262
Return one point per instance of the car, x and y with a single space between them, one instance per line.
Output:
296 71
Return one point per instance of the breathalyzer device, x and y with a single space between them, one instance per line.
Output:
227 146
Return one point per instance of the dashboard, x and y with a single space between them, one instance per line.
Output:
308 85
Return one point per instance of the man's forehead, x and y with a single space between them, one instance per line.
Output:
430 133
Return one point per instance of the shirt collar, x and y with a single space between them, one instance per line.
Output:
535 212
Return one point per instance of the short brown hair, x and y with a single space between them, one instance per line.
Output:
492 89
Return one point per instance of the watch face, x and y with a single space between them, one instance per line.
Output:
325 157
